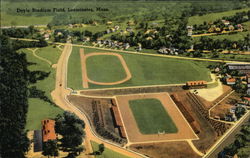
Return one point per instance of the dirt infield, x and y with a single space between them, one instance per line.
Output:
133 133
84 69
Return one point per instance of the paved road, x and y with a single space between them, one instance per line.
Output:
22 26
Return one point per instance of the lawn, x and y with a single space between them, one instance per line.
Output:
16 20
74 70
105 68
38 109
108 153
212 16
151 117
145 70
50 53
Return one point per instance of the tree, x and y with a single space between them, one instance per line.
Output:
31 29
101 148
71 128
14 101
50 148
49 26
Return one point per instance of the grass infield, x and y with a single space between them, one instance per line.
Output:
105 68
151 117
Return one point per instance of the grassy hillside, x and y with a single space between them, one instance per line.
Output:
39 109
213 16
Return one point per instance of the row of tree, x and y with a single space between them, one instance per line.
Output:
207 43
19 32
14 79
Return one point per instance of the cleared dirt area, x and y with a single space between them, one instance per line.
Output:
177 149
211 94
210 130
224 107
132 130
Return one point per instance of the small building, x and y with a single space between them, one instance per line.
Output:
225 22
126 45
46 36
217 69
70 26
231 27
48 130
109 22
196 84
129 29
94 23
190 30
248 78
37 137
230 81
246 100
117 27
248 91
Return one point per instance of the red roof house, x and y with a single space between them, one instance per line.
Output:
48 130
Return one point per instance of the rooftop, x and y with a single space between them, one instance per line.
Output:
48 130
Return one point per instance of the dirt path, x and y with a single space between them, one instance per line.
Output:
123 62
41 58
59 97
84 70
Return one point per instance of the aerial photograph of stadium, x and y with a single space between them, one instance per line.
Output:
125 79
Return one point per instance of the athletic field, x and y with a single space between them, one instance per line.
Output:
144 70
151 117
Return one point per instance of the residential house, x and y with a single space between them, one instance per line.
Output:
217 69
248 83
246 100
248 91
126 46
117 27
239 27
70 26
108 31
225 22
46 36
190 30
231 81
129 29
86 39
231 27
109 22
48 130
